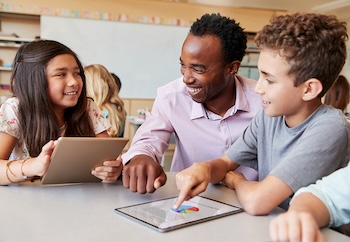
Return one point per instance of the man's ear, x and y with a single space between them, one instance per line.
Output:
313 87
234 66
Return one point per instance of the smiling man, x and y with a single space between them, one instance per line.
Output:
207 108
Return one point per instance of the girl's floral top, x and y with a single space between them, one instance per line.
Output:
9 124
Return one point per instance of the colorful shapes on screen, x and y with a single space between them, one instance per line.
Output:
186 209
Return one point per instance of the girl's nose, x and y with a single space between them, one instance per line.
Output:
72 80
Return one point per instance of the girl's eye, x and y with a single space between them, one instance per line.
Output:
60 74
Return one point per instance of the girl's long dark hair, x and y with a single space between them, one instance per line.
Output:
37 120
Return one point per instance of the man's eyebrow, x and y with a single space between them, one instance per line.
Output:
195 65
199 65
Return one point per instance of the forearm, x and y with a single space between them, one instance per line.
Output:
258 198
13 171
307 202
253 200
220 167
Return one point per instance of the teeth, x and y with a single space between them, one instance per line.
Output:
70 93
193 90
265 102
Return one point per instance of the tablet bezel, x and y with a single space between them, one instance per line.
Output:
121 211
74 157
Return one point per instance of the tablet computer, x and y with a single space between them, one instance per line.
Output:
74 157
160 216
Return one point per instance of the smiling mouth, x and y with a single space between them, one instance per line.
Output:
192 90
70 93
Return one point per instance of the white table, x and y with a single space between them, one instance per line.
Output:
85 212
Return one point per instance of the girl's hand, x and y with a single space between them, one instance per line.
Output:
38 166
109 171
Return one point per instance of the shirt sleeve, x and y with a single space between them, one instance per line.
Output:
244 150
334 192
152 137
8 118
99 122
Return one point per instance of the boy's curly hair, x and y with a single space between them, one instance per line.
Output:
313 44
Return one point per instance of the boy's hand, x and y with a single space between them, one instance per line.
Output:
295 226
232 178
192 181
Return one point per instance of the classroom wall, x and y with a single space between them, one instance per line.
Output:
141 11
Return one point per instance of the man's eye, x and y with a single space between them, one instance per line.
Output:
199 71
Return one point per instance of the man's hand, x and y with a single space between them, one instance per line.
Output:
142 174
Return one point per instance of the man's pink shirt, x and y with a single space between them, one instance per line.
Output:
200 135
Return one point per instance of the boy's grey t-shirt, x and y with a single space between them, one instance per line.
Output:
300 155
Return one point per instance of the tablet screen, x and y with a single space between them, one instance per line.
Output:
159 215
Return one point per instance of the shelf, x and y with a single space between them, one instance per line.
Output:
249 65
5 68
15 30
15 39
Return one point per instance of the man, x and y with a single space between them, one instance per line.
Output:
207 108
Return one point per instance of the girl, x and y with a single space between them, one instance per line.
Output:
48 84
102 88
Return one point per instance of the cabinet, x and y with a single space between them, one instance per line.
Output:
15 30
249 64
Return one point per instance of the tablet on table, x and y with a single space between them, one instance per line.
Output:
160 216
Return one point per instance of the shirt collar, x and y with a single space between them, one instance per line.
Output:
242 104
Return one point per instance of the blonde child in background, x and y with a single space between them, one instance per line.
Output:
48 84
102 88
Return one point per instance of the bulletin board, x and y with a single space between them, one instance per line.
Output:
144 56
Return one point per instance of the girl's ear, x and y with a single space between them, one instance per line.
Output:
234 66
313 87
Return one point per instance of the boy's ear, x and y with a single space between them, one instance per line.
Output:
313 87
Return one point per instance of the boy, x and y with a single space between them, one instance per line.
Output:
295 139
318 205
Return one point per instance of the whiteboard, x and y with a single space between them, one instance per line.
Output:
144 56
